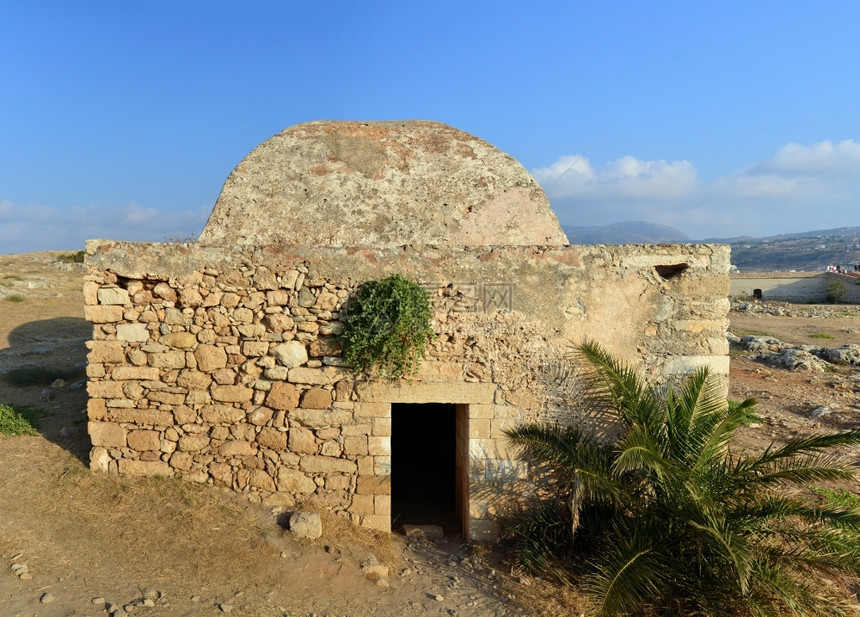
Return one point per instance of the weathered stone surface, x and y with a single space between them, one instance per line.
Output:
141 417
96 408
355 445
237 448
294 481
326 301
322 418
106 351
170 398
232 394
106 434
165 292
306 525
194 380
91 292
113 295
374 485
180 340
316 398
132 332
314 376
144 440
325 347
278 322
272 438
190 297
135 372
105 389
430 183
144 468
302 441
221 414
292 353
259 479
210 358
279 297
255 348
103 314
193 443
326 464
260 416
181 460
282 395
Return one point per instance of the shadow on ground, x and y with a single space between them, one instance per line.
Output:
45 367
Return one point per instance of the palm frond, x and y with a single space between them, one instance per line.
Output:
806 445
627 572
639 451
542 531
804 470
674 520
620 386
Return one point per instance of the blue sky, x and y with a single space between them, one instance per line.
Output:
123 119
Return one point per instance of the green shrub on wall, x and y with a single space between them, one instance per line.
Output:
387 327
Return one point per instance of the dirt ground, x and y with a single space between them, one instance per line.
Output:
94 544
788 399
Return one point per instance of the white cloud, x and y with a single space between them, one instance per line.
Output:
623 178
799 188
823 159
38 228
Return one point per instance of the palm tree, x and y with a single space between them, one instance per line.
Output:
667 516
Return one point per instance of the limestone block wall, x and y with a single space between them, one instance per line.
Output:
793 287
223 365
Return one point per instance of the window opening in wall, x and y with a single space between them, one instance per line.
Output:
671 271
425 486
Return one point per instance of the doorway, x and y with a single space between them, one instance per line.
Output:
429 470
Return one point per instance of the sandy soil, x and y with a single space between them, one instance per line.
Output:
96 544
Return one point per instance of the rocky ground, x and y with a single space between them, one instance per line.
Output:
77 544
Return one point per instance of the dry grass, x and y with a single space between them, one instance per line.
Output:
142 524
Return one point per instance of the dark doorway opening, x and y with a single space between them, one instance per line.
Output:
757 294
424 486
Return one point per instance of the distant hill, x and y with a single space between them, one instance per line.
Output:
805 251
630 232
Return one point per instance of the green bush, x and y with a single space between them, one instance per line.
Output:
15 298
666 516
179 239
76 257
19 420
836 290
387 327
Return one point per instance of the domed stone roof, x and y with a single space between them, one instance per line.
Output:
380 184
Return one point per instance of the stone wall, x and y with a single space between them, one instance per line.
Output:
794 287
223 365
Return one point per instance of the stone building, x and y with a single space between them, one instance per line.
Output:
220 361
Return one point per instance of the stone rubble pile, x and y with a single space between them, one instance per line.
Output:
811 358
788 309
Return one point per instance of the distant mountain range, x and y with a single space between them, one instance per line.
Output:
630 232
807 251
